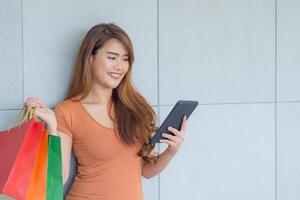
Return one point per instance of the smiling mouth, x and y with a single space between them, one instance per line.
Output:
113 75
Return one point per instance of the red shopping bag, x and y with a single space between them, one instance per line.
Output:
10 145
19 146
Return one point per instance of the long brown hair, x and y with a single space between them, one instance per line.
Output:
134 117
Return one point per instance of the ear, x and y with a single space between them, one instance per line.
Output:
91 58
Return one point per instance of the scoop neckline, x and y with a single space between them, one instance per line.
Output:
93 119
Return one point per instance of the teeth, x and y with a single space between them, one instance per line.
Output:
116 75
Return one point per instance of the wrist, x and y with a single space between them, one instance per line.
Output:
170 152
51 125
52 130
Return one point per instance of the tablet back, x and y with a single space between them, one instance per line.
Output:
174 119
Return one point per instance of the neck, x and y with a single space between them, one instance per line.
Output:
99 95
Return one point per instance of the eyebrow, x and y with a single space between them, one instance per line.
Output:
114 53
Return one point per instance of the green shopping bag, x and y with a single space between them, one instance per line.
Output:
54 176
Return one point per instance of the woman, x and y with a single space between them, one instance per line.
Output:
107 122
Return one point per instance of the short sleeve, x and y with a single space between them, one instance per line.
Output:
63 121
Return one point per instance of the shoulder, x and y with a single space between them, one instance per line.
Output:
65 116
67 109
66 105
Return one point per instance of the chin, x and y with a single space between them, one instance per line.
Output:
113 85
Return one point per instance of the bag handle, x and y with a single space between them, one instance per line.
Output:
26 114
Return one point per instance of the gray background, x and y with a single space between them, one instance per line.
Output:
238 58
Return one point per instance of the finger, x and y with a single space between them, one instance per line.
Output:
38 105
173 130
35 101
33 104
183 124
34 98
41 104
175 139
27 101
171 143
31 98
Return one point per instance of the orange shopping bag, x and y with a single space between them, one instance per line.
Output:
38 182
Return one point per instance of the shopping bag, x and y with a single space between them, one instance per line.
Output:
19 146
34 168
10 145
54 176
37 185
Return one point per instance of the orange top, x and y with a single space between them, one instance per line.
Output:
107 169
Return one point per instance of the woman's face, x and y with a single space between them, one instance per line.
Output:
110 64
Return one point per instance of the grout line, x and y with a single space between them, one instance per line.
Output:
10 109
158 91
22 27
286 101
229 103
238 103
275 52
203 104
233 103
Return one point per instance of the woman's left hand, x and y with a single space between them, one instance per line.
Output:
174 141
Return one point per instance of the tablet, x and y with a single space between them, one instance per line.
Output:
174 119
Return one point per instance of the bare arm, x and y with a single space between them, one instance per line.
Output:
174 142
150 170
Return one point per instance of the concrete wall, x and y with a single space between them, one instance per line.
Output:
239 59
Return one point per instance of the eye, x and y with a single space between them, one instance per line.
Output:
126 59
112 58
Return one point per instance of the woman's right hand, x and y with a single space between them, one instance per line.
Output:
43 112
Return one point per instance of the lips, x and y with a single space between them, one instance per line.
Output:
114 75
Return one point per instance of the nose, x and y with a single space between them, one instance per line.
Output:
119 64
